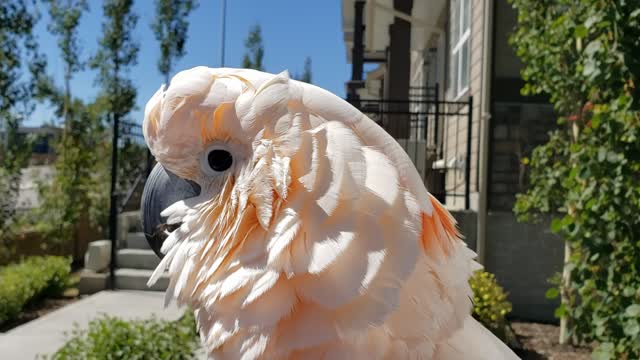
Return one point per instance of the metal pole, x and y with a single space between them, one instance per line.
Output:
224 22
113 214
435 123
467 190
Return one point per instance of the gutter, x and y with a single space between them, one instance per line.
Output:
485 117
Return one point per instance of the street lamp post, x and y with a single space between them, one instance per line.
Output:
224 18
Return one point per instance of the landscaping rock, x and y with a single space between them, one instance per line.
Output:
98 256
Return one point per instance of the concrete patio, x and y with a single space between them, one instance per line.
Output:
45 335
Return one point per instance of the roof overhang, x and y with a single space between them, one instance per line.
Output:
379 14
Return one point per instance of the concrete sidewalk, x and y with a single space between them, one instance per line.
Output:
45 335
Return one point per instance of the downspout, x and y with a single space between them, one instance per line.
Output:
485 117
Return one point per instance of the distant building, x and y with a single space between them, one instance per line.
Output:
43 151
40 167
31 178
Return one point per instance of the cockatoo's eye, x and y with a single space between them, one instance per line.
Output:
219 160
216 160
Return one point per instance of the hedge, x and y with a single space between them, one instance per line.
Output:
29 281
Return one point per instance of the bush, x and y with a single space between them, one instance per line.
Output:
113 338
30 281
490 304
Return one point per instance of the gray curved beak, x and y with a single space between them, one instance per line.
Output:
162 189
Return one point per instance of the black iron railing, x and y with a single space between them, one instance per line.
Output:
435 133
132 167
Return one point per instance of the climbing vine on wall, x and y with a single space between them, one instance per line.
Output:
585 55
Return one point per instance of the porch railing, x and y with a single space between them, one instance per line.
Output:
435 133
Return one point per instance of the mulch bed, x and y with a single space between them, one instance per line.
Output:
39 309
540 341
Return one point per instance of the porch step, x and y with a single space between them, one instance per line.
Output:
137 240
136 279
92 282
137 259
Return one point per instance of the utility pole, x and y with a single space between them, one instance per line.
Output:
224 20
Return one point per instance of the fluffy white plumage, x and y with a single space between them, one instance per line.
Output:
320 242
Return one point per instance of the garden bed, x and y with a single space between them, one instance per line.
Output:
540 341
34 287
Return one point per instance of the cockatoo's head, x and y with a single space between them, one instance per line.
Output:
208 130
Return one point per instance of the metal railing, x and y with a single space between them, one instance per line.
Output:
435 133
131 167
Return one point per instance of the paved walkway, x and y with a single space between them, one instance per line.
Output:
45 335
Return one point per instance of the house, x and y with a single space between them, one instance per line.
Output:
441 77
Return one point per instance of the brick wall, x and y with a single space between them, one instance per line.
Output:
518 123
516 129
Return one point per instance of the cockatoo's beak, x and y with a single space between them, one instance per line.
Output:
162 189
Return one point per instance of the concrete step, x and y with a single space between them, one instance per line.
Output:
136 279
92 282
137 240
137 259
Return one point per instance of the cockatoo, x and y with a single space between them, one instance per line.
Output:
297 228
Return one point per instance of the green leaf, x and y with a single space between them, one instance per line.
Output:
633 310
556 225
580 31
631 328
604 351
593 47
552 293
560 311
602 154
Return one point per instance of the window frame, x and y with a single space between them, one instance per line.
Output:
460 40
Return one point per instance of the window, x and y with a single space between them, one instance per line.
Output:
460 34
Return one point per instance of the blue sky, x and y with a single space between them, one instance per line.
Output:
291 30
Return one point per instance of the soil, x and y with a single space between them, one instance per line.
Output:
41 308
540 341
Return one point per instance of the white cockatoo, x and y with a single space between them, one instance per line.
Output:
301 229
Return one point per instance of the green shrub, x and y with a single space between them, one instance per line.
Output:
113 338
490 304
29 281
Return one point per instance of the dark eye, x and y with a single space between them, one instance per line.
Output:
219 160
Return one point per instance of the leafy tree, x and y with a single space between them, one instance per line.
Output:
65 18
66 200
117 53
255 50
17 52
306 74
585 55
170 27
79 189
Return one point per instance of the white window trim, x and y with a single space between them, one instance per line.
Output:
462 39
